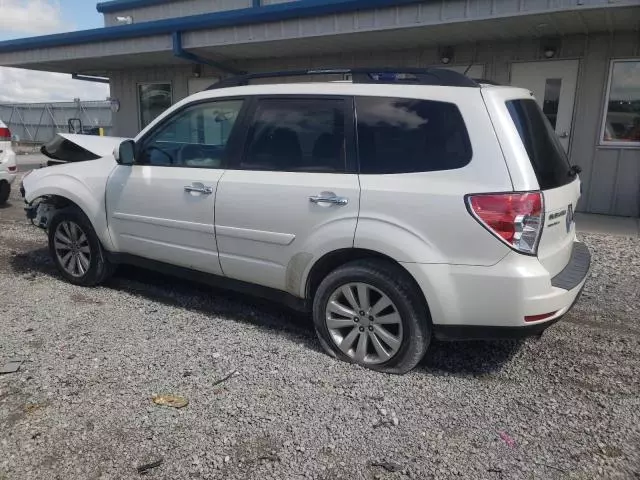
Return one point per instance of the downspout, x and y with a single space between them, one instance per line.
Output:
180 52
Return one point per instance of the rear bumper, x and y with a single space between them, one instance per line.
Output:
472 302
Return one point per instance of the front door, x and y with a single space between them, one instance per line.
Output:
554 85
293 192
162 208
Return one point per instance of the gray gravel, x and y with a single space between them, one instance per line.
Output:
565 406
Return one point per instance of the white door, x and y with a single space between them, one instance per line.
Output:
554 85
292 192
162 208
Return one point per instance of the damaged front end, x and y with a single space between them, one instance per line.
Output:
70 148
41 211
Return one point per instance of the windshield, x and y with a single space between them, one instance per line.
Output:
548 158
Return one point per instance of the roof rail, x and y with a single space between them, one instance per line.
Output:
486 81
384 75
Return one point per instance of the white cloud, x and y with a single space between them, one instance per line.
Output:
31 16
27 86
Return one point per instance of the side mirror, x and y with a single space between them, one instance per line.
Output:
125 154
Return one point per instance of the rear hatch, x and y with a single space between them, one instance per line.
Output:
537 161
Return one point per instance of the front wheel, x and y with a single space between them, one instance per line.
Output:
76 249
370 313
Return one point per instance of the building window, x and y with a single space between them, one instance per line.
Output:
154 98
621 125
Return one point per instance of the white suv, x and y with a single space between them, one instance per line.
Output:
8 167
396 208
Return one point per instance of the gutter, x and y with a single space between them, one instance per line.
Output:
89 78
180 52
229 18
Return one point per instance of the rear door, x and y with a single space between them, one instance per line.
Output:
293 193
537 161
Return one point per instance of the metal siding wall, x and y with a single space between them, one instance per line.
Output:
611 176
124 87
176 9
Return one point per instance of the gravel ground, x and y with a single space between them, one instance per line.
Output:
565 406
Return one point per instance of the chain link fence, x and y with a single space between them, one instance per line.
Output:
33 124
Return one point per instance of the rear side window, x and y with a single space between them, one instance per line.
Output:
399 135
548 159
297 135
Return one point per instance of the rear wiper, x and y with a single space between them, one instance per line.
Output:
574 170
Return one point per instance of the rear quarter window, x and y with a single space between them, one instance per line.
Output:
548 158
400 135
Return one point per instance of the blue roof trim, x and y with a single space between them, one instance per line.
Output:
229 18
118 5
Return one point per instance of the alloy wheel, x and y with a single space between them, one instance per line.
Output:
72 248
364 323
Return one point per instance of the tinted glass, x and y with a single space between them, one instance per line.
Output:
622 121
397 135
195 137
548 159
297 135
551 100
154 99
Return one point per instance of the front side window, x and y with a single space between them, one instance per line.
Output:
154 99
297 135
195 137
400 135
622 109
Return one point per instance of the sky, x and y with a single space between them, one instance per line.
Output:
29 18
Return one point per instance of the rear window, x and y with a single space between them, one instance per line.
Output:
399 135
548 158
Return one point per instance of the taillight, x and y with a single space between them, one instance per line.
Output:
5 134
514 218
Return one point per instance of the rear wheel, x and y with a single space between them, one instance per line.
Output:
368 312
5 191
76 249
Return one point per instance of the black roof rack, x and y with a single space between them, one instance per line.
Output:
486 81
384 75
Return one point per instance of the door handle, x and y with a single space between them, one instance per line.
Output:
198 189
329 197
563 134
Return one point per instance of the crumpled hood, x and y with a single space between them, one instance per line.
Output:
68 147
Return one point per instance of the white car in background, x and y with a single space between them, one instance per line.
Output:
8 166
394 209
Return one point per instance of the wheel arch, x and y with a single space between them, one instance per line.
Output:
72 193
332 260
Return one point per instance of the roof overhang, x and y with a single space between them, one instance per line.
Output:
232 37
119 5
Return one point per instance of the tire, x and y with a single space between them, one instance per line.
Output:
5 191
92 266
410 330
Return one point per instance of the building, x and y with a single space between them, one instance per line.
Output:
580 57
